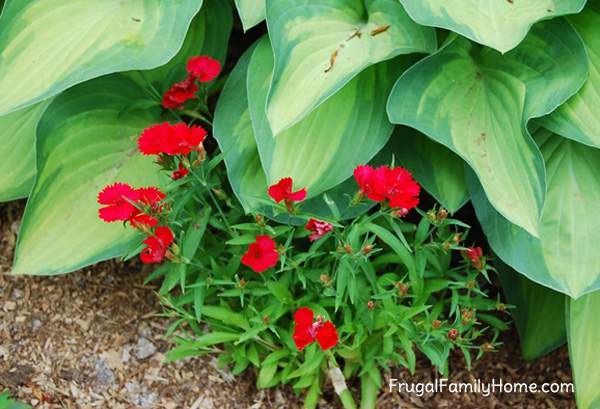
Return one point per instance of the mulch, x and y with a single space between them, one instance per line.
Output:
94 339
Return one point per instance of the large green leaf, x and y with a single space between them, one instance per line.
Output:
208 35
85 141
539 312
234 133
434 166
251 12
578 118
322 150
476 102
500 24
321 45
17 150
564 257
48 46
584 338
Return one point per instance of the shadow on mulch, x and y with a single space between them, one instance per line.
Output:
93 339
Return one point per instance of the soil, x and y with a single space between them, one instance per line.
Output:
94 339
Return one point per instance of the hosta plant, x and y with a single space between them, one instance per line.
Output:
487 102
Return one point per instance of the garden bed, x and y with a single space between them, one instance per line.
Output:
94 339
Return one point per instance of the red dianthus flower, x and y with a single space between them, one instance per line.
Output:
282 190
261 255
157 245
180 92
117 199
306 331
318 228
203 68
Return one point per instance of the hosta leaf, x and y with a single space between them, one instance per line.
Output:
234 133
84 143
17 150
48 46
564 257
251 12
435 167
321 45
475 101
539 312
208 35
578 118
584 337
322 150
500 24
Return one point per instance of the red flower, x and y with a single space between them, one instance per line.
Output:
118 199
180 92
152 140
149 200
370 182
306 331
319 228
261 254
283 191
395 184
178 139
157 245
184 139
400 188
204 68
180 173
475 254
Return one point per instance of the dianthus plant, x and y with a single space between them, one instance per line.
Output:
302 299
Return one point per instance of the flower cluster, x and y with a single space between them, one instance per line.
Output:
142 208
200 69
394 184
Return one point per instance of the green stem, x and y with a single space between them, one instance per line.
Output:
196 115
314 393
368 392
347 400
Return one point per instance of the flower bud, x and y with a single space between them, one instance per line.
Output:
266 320
325 279
487 347
453 334
501 307
260 220
471 284
431 216
367 248
436 324
371 305
402 289
442 214
348 249
457 238
399 213
242 283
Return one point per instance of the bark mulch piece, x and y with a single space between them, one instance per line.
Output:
93 339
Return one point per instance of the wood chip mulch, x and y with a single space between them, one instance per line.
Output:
92 339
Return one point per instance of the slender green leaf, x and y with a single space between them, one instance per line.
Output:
83 144
50 45
498 24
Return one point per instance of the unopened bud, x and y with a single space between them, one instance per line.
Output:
501 307
219 193
442 214
367 248
371 305
471 284
260 220
487 347
358 197
348 249
446 246
431 216
399 213
436 324
457 238
402 289
242 283
325 279
265 319
453 334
